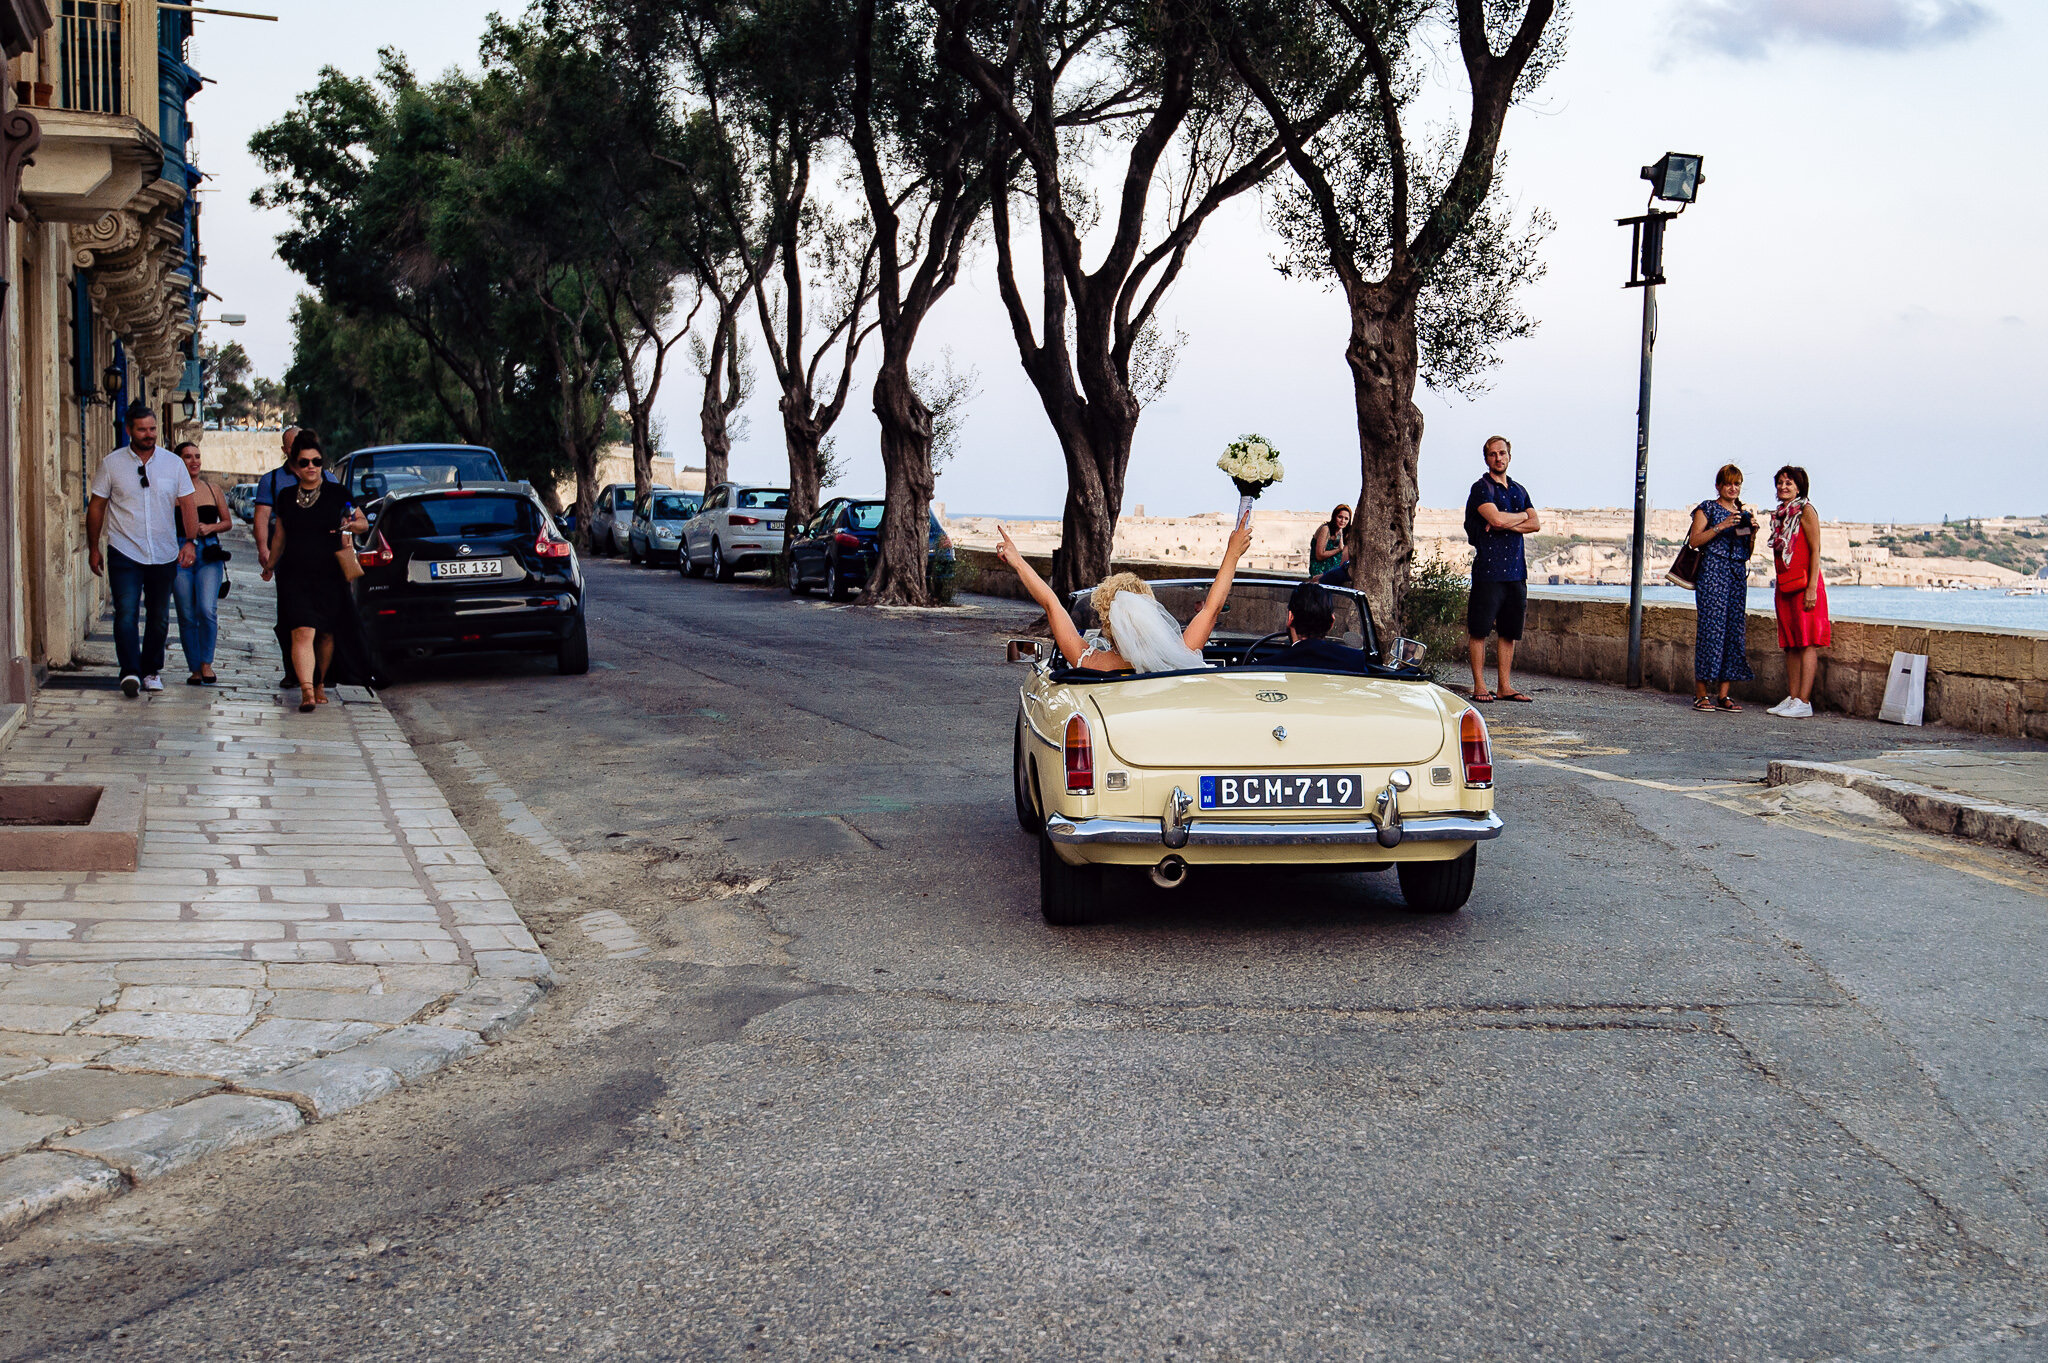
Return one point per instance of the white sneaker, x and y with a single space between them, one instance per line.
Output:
1779 708
152 682
1799 710
131 686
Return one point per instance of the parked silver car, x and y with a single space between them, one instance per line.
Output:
740 527
611 520
656 535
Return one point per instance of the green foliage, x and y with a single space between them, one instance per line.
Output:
362 381
1433 612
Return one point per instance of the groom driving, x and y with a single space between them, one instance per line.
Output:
1310 613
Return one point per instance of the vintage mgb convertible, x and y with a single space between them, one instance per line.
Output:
1247 763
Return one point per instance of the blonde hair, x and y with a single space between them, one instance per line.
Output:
1105 592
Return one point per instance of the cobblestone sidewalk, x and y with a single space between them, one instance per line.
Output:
308 928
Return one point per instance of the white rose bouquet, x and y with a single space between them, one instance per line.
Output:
1254 465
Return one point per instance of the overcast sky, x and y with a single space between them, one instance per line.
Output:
1859 288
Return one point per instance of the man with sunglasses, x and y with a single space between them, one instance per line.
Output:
269 487
141 496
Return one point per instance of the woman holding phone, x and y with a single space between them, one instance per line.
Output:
313 597
1723 530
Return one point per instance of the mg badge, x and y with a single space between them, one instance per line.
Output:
1270 697
1280 733
462 549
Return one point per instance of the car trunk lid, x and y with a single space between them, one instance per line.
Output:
1226 719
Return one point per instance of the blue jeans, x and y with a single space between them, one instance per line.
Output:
197 592
138 585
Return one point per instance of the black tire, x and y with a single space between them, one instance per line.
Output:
835 583
797 585
1021 792
572 658
632 554
1068 896
687 563
1438 886
721 571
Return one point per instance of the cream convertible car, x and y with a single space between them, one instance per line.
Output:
1245 763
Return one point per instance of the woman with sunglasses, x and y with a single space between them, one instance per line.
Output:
313 597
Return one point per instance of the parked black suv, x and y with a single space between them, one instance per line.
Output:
476 568
373 473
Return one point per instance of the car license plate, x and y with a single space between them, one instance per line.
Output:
1255 791
474 567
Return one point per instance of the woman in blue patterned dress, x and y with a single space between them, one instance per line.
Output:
1723 530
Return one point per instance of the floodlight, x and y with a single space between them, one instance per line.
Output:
1676 177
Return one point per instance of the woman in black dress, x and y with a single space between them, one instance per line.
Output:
313 598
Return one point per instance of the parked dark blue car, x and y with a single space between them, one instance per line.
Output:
837 548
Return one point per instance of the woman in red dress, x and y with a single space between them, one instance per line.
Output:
1802 598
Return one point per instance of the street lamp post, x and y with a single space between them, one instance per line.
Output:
1675 178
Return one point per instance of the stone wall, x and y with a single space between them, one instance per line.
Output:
1990 681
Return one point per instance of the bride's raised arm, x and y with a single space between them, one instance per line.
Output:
1063 632
1204 624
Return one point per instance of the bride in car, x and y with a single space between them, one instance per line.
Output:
1137 634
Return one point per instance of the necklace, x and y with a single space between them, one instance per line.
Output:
306 499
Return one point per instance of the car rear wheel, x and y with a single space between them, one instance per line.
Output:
835 582
572 659
720 569
1068 896
1020 786
797 585
632 554
1438 886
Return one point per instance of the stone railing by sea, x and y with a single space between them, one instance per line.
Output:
1992 681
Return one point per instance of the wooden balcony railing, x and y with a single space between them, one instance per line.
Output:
89 56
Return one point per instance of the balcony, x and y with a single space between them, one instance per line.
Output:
96 155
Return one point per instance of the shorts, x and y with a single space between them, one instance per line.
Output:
1497 608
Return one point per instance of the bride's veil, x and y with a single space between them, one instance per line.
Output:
1148 636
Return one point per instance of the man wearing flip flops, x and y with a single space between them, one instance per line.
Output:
1498 512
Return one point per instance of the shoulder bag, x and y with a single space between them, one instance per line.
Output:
1685 569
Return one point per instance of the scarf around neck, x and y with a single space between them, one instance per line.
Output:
1785 527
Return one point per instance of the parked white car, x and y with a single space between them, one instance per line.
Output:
657 534
739 528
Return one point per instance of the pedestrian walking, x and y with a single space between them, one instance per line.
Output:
141 496
279 479
1801 596
1724 531
313 598
1498 513
197 588
1328 560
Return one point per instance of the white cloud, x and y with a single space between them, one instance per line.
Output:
1748 28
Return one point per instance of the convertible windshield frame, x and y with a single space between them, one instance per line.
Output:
1224 654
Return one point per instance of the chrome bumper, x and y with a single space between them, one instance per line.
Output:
1214 833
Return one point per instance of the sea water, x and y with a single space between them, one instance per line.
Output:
1980 607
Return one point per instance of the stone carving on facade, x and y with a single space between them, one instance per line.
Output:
19 136
136 259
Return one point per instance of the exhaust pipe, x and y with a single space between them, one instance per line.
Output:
1170 874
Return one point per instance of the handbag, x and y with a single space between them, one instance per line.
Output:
351 566
1685 569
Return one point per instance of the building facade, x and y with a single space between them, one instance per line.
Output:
103 290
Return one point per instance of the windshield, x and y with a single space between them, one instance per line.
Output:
763 499
439 466
866 515
673 507
1255 609
462 516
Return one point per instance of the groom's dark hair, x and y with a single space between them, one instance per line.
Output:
1313 614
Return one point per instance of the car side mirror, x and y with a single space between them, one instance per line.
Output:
1023 650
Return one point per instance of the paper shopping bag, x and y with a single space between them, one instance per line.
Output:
1905 690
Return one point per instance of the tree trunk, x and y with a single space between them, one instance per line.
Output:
1383 358
900 576
801 436
717 440
643 447
1098 452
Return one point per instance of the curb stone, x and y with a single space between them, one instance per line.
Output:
1937 811
43 1181
490 1008
322 1088
155 1143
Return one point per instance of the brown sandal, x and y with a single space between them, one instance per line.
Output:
319 694
305 700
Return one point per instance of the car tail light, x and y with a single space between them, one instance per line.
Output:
945 541
547 546
1080 758
460 492
1478 749
378 557
846 541
742 520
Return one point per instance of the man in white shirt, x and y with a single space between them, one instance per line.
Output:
141 496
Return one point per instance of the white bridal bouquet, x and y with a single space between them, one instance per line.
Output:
1254 465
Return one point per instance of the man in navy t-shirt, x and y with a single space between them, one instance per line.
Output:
1498 512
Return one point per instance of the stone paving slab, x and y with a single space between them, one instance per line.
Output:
1990 797
308 928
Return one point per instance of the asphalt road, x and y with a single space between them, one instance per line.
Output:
1700 1073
